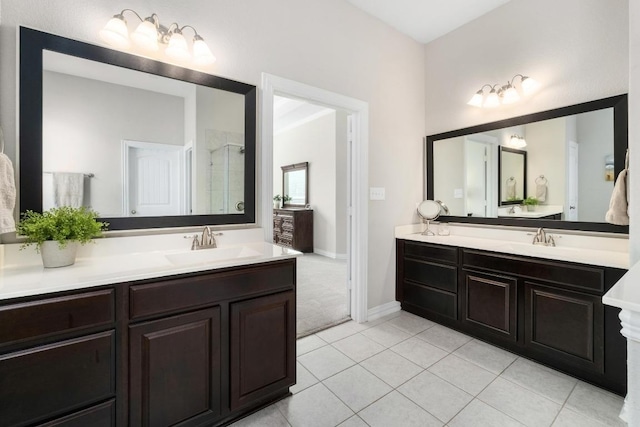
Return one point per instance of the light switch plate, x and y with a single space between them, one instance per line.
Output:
376 193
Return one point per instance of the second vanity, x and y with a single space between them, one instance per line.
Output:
544 303
147 338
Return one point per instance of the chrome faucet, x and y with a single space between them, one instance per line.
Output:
206 241
541 238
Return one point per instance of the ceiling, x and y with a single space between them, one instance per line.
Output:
426 20
289 113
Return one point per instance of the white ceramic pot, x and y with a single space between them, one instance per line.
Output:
53 256
531 208
276 205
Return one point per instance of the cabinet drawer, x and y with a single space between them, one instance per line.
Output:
431 299
569 275
42 382
55 315
199 291
435 275
103 415
431 252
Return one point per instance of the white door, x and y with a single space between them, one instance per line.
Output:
153 179
571 208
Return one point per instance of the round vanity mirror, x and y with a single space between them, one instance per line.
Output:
429 210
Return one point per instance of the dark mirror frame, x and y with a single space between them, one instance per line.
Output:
32 45
296 167
503 149
620 144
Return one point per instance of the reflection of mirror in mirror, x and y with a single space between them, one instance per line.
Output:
512 176
155 146
295 183
566 150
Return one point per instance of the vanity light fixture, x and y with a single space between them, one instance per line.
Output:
517 141
507 94
150 35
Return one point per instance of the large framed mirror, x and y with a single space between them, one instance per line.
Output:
566 163
295 184
144 143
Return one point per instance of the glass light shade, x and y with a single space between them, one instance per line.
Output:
116 32
529 85
510 95
476 100
201 53
517 142
492 100
177 47
146 36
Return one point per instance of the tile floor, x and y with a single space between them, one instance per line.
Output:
403 370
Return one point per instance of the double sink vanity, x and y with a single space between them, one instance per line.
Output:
542 302
139 333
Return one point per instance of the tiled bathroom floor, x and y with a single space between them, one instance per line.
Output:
404 370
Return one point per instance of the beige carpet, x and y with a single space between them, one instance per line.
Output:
322 293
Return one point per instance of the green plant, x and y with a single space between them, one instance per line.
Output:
530 201
286 198
277 198
63 224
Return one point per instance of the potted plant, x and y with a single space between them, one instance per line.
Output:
58 231
286 198
530 203
277 199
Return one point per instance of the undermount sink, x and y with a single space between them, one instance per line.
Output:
531 249
206 256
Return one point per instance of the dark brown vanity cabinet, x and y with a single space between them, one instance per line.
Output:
547 310
58 360
196 349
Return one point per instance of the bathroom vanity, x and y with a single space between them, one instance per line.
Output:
545 309
189 344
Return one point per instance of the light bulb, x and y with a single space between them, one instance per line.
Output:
510 95
492 100
529 85
146 35
201 53
177 48
476 99
116 33
517 142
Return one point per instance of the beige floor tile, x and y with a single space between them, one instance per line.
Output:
419 352
445 338
479 414
486 356
596 403
386 334
304 379
341 331
314 407
549 383
357 387
325 362
358 347
463 374
307 344
391 368
267 417
395 410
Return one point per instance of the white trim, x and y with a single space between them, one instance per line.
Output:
328 254
359 111
307 119
383 310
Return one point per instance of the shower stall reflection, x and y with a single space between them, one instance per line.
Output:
227 179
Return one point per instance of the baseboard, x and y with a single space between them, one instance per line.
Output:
383 310
328 254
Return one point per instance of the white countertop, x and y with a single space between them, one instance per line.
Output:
539 212
96 265
585 249
626 293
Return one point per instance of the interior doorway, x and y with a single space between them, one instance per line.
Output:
357 176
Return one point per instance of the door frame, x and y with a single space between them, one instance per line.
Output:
491 177
359 174
128 144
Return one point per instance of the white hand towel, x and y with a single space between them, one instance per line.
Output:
7 195
541 192
617 213
511 189
68 189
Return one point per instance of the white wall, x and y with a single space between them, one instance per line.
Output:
328 44
595 142
313 142
449 168
546 155
341 183
90 118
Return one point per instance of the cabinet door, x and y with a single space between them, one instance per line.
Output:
175 369
263 352
490 303
50 380
566 326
